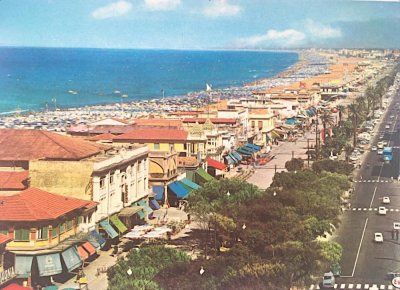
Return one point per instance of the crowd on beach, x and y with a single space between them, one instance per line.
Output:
311 63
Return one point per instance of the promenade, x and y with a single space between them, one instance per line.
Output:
284 151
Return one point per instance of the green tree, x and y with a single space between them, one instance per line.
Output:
294 164
327 119
354 114
341 111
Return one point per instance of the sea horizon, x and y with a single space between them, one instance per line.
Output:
39 78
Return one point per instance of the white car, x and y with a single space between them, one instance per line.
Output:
354 157
380 151
384 142
374 148
386 200
387 127
381 136
378 238
382 210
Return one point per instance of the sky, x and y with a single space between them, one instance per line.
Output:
201 24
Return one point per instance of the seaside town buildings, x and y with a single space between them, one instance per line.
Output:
84 191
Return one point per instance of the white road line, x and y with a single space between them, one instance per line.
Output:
365 208
397 209
359 247
351 286
342 286
370 209
373 196
354 208
358 286
366 286
391 209
382 287
359 208
312 287
390 287
335 286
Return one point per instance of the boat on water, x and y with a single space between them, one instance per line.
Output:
73 92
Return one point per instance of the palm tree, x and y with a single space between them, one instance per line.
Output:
370 97
341 109
326 119
354 114
347 150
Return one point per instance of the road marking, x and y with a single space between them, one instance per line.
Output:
373 196
359 247
370 209
312 287
351 286
359 208
382 287
366 286
390 287
358 286
335 286
342 286
391 209
365 209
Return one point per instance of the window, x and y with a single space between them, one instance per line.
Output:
253 124
171 146
4 232
54 232
111 178
69 225
145 164
42 233
156 146
21 235
62 228
260 125
102 183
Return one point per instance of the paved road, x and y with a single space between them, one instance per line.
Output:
365 262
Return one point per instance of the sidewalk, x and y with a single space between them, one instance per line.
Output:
263 176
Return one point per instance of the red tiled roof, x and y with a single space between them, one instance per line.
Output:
105 136
213 120
13 179
216 164
158 122
153 135
34 204
4 239
25 145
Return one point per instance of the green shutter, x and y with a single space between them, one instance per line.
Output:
21 235
54 232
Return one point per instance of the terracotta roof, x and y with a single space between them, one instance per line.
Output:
101 137
120 120
4 239
213 120
34 204
13 179
154 135
25 145
187 161
158 122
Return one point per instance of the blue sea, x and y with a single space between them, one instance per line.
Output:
33 78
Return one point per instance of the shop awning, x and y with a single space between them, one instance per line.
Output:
118 223
244 151
229 159
154 204
178 189
250 149
216 164
274 134
254 146
71 259
89 248
159 191
95 236
203 174
145 206
82 253
237 155
109 229
49 264
23 266
141 214
190 183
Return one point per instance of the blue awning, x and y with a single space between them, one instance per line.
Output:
109 229
154 204
178 189
94 237
159 191
71 259
49 264
141 214
145 206
233 157
250 149
23 266
229 159
244 152
254 146
190 183
237 156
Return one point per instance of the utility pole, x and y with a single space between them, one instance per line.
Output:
308 153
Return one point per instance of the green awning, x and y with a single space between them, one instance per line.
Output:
274 134
145 206
109 229
203 174
141 214
71 259
49 264
23 266
188 183
118 223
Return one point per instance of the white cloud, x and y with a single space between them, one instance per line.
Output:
219 8
320 31
274 38
112 10
162 4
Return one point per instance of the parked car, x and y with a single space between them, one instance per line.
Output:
378 238
374 148
329 280
379 151
336 269
386 200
